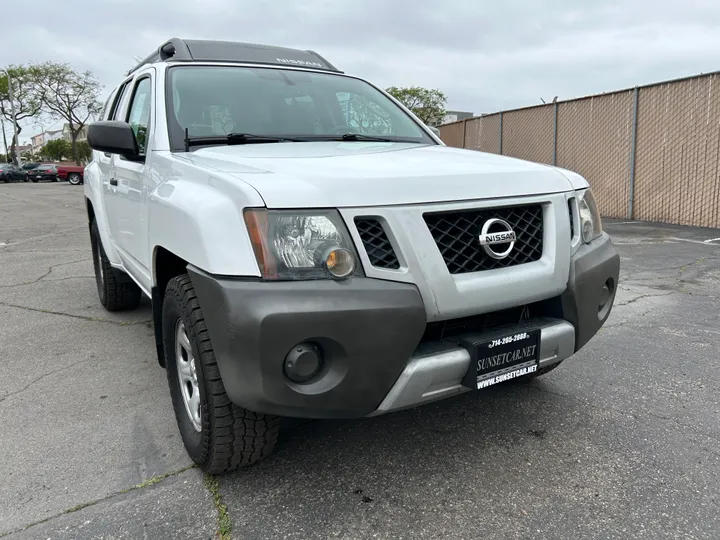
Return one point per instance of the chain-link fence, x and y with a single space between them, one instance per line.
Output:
528 133
677 153
650 153
593 140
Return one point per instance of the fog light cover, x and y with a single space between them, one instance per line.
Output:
303 362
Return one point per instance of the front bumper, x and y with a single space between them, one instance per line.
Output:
370 331
367 329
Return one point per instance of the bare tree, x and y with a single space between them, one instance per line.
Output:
19 99
70 95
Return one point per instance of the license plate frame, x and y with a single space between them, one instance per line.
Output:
501 357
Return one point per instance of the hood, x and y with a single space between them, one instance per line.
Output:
352 174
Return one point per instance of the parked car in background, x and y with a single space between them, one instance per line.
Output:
29 166
72 173
10 173
46 171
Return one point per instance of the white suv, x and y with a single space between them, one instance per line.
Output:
311 249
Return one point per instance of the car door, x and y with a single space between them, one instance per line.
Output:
105 161
18 173
130 196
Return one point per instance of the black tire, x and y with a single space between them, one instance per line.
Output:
230 436
74 178
117 291
34 180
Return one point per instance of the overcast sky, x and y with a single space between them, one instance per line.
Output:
485 56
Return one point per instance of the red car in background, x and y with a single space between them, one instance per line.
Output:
71 173
57 172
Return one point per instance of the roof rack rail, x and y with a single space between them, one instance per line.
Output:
185 50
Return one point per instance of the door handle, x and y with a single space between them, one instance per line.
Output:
113 181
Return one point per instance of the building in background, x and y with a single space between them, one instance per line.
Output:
82 136
20 149
41 139
452 116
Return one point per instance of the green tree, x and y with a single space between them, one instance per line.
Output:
70 95
56 149
26 97
427 104
84 151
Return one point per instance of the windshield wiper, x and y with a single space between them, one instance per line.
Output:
233 138
357 137
362 137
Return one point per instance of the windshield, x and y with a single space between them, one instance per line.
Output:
214 101
44 167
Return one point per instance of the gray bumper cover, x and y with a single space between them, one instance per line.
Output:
367 328
369 331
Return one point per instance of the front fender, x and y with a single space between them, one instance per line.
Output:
203 226
93 192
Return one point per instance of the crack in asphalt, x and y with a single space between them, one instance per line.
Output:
224 525
48 235
46 274
41 377
678 281
142 485
637 415
69 277
648 295
81 317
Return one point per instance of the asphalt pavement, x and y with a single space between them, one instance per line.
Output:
620 442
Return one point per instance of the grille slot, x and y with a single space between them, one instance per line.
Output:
456 235
377 244
572 220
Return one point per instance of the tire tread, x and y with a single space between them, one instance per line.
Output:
236 437
121 292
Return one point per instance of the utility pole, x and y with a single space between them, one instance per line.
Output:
14 117
2 123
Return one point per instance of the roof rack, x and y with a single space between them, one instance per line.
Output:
193 50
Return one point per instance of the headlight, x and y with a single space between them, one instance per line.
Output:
590 222
311 244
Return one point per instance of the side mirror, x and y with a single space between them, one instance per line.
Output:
435 130
113 137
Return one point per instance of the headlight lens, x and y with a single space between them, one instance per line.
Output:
295 245
590 222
